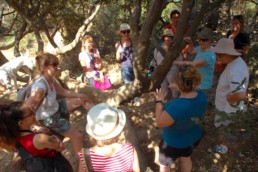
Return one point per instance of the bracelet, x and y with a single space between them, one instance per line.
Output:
159 101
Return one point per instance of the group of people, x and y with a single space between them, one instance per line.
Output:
36 127
180 118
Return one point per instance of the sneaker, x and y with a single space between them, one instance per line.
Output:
222 149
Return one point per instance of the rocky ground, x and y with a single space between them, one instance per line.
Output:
140 130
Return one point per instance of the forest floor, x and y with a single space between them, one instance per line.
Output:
242 155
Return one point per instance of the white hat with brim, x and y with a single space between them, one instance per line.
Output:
168 32
225 46
105 122
124 26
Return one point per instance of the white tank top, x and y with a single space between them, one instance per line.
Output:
49 106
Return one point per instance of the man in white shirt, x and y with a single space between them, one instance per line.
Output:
233 82
230 92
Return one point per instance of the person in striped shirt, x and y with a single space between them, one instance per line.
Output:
104 125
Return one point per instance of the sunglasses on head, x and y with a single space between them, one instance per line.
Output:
203 39
125 31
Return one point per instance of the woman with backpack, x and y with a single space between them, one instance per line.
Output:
50 112
39 152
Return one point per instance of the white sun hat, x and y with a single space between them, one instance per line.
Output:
105 122
225 46
124 26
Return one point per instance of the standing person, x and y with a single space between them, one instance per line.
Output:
38 151
124 53
104 124
178 119
238 34
90 60
50 112
204 58
167 38
174 18
233 82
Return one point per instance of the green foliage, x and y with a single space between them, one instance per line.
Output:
29 42
253 70
6 40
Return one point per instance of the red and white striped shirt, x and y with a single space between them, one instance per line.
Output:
122 161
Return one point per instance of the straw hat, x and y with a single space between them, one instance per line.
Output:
124 26
105 122
225 46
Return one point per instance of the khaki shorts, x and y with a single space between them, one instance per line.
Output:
58 122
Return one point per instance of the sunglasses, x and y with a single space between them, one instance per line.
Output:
55 65
125 31
203 39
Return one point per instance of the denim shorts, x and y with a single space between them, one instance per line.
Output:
169 154
58 122
127 74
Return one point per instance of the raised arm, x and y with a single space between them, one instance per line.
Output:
163 119
190 47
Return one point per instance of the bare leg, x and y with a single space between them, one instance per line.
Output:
73 103
76 139
163 168
186 164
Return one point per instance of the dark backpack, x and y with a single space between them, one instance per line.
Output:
39 164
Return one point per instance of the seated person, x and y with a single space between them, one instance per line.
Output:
38 151
50 111
105 123
90 61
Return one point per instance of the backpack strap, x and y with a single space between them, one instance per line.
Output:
87 160
121 43
22 152
45 95
129 40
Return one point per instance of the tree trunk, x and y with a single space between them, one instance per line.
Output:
3 59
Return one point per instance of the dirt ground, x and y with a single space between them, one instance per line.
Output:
241 156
